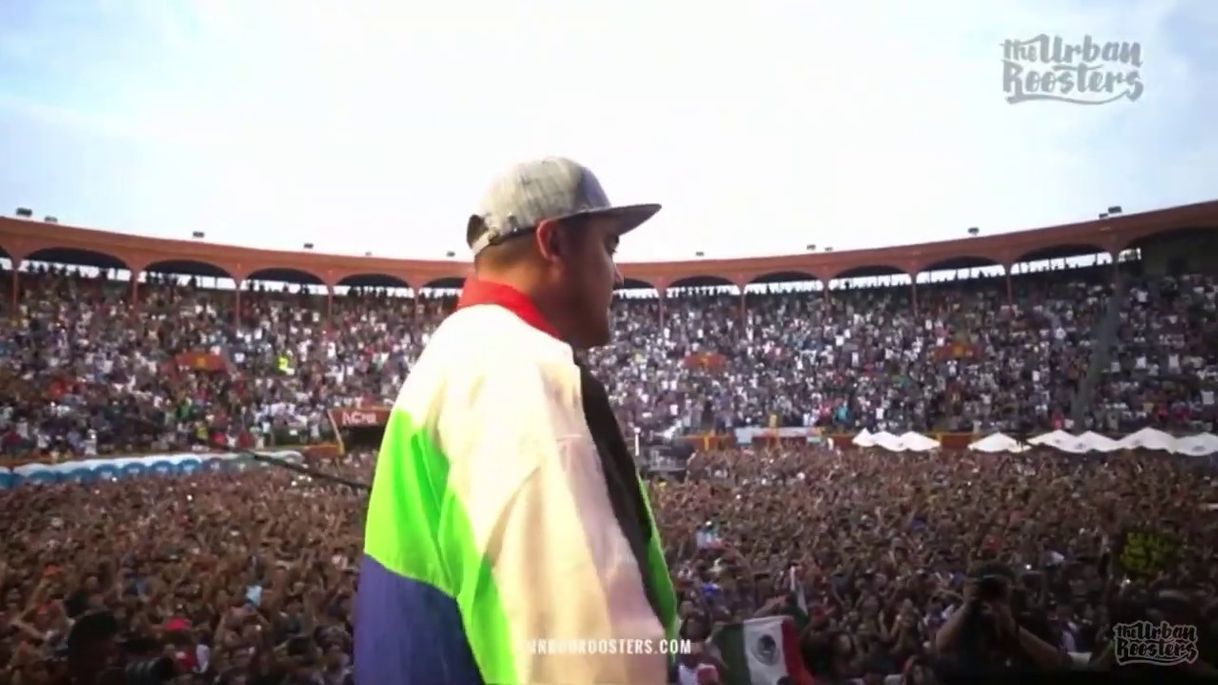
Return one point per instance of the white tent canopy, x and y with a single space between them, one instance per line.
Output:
1061 440
864 439
911 441
1199 445
888 441
916 442
1099 443
998 442
1149 439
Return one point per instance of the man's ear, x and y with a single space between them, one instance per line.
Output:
549 239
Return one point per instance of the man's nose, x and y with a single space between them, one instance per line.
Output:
618 281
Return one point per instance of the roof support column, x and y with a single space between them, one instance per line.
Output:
237 303
329 305
16 285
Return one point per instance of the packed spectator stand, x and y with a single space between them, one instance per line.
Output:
882 544
80 363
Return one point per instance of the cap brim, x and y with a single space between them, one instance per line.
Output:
628 217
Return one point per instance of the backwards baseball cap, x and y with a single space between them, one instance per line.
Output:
553 188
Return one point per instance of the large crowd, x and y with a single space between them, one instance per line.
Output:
86 370
885 548
246 577
235 577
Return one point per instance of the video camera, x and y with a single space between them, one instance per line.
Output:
991 587
95 651
149 671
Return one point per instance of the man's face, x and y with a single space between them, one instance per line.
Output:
687 609
589 277
695 629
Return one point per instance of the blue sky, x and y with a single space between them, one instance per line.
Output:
761 126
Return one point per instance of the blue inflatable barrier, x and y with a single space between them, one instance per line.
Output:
43 477
80 475
133 469
106 471
163 465
162 468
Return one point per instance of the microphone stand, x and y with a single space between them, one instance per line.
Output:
308 471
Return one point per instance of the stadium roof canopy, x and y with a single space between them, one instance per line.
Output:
187 267
373 281
22 240
634 284
82 256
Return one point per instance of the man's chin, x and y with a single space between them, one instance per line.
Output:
600 339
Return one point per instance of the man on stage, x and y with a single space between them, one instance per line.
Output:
509 538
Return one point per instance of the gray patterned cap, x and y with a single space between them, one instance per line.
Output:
552 188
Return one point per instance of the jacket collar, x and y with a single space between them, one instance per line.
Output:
478 292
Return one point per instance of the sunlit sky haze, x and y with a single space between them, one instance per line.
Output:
761 126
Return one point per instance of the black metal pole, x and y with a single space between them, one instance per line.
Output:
274 461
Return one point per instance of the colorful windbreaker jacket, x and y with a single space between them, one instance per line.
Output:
506 509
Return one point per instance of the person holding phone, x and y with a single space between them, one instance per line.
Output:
982 637
702 665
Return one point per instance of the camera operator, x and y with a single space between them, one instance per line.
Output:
982 637
94 656
93 652
702 666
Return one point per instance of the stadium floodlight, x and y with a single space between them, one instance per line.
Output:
973 230
828 249
450 254
308 246
25 212
699 253
1115 209
50 219
1103 215
197 235
811 247
368 253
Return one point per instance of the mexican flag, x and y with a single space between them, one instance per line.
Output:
762 651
